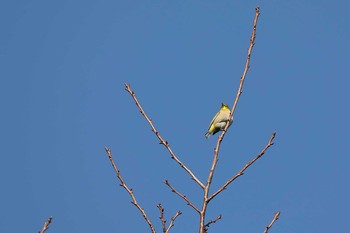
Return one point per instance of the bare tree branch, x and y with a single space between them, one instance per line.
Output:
206 187
241 172
182 196
129 190
163 220
221 137
275 218
161 217
247 63
162 141
178 213
211 222
46 225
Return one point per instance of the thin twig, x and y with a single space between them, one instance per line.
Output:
221 137
162 141
275 218
171 224
129 190
182 196
46 225
247 63
241 172
211 222
163 220
161 217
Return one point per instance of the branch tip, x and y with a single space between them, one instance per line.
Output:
46 225
211 222
275 218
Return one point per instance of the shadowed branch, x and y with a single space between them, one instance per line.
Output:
211 222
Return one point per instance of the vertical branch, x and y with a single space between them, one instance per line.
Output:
221 137
161 217
275 218
129 190
46 225
247 63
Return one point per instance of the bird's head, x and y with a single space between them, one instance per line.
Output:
224 106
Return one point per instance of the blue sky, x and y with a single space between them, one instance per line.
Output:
63 65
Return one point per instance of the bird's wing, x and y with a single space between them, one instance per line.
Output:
216 115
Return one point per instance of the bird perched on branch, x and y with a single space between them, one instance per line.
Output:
219 121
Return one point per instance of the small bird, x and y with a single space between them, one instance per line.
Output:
219 121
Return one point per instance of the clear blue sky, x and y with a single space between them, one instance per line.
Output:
62 69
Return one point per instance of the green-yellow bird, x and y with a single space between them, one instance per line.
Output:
219 121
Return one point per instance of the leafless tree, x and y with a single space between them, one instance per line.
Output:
205 186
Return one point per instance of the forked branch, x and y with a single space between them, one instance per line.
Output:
162 141
206 187
163 220
171 224
129 190
241 172
275 218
